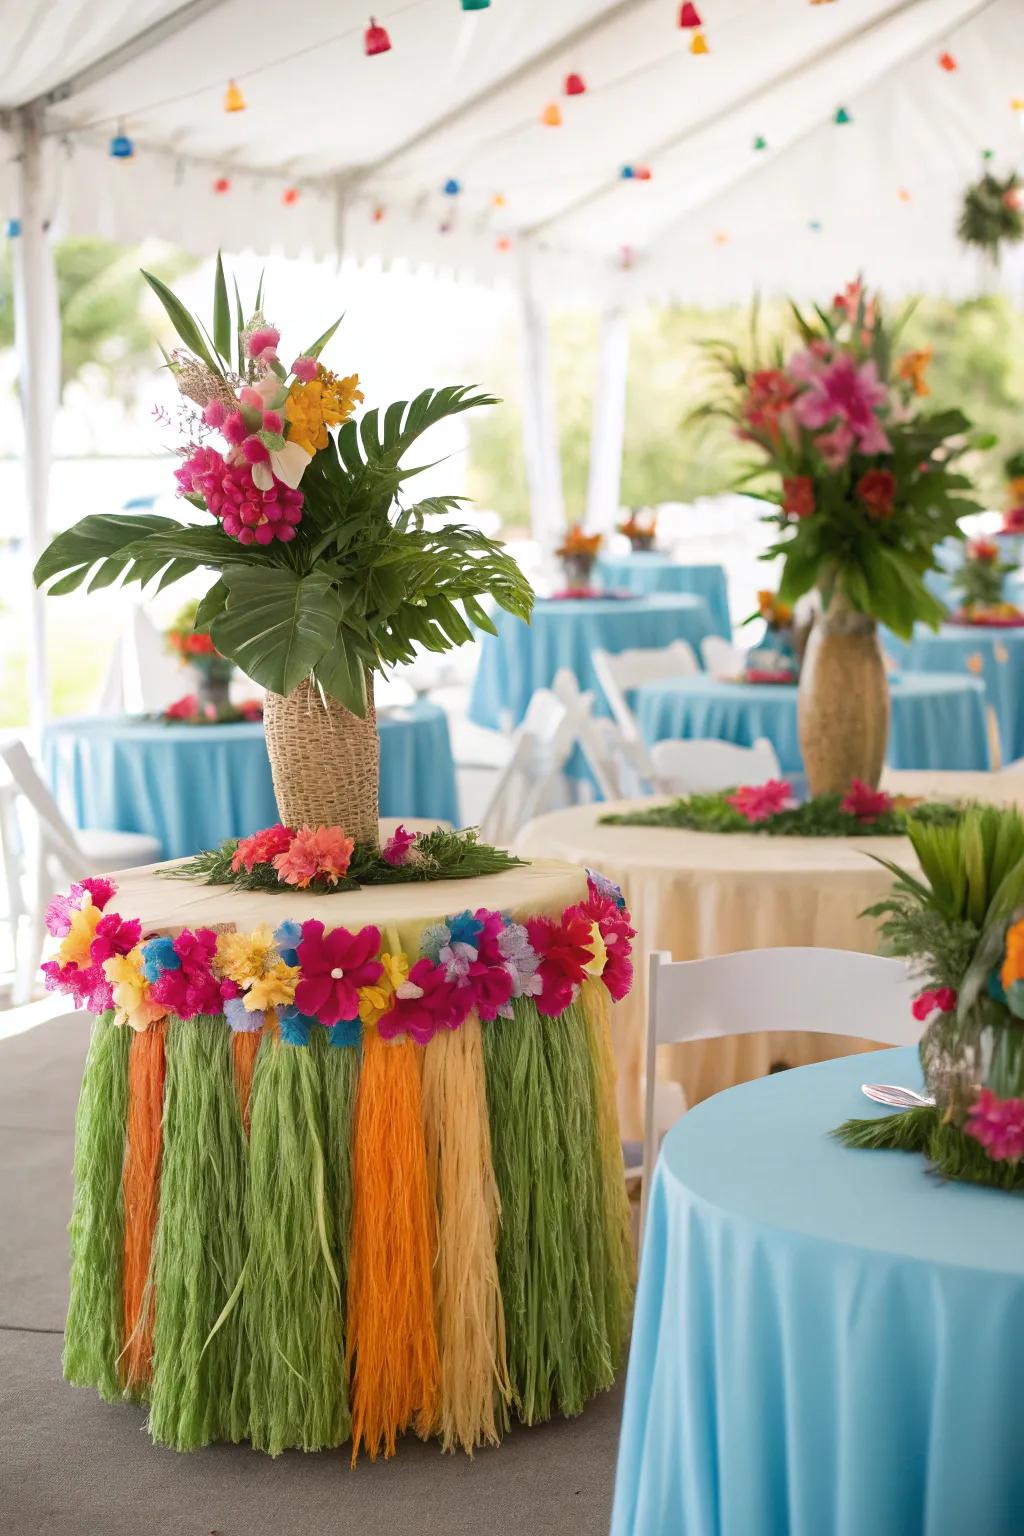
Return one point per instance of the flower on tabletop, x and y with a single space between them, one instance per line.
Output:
375 999
798 496
616 933
244 956
335 965
261 847
314 405
933 1000
865 803
239 1018
76 945
273 988
315 853
424 1003
85 985
847 393
759 802
998 1124
398 849
604 887
564 953
130 990
912 367
876 489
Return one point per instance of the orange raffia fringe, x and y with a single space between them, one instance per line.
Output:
392 1346
140 1189
618 1229
470 1316
245 1045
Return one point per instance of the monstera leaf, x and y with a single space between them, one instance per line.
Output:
277 625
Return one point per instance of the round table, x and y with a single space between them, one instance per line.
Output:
565 632
937 721
825 1340
191 786
995 657
647 571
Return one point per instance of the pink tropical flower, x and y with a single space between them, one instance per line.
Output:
114 935
261 847
850 393
618 934
334 966
305 368
398 848
315 852
191 988
836 446
865 803
200 473
759 802
933 1000
768 404
565 951
185 708
263 342
59 910
87 986
425 1003
998 1124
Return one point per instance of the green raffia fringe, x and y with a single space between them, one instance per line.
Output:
200 1370
292 1303
551 1238
92 1334
952 1154
339 1074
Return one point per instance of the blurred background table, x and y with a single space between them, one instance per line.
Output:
937 721
191 786
842 1350
994 656
564 632
647 571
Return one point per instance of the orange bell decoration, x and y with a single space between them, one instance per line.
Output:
574 85
903 195
689 16
498 200
290 196
699 43
375 39
947 62
641 173
234 101
503 243
551 116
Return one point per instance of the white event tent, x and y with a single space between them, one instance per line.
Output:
434 152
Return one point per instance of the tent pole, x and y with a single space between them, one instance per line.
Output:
540 427
37 344
608 420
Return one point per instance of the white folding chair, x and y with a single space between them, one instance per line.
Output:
541 747
701 767
51 854
620 674
822 991
720 657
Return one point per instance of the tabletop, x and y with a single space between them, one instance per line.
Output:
656 571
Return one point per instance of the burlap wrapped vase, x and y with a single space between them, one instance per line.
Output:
843 700
325 761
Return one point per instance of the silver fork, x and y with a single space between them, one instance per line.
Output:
896 1097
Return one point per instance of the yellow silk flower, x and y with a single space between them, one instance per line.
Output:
242 957
76 943
130 989
274 989
375 1001
324 402
1013 963
595 967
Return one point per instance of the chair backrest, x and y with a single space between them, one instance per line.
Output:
701 767
541 747
620 673
143 676
30 788
720 657
822 991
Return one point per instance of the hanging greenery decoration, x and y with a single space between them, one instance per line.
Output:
992 212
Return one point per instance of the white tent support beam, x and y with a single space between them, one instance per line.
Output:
540 426
608 420
136 47
37 341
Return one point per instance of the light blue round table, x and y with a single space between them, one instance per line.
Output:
996 656
827 1342
191 786
651 571
565 632
937 721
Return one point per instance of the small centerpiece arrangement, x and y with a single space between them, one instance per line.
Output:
865 484
961 925
979 583
773 809
992 214
640 528
577 552
1012 531
775 659
195 648
188 710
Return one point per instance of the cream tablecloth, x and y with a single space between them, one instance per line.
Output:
697 894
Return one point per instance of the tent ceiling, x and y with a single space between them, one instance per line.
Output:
459 96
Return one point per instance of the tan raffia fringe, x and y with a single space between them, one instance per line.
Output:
325 761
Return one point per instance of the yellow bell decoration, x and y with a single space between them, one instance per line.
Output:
699 43
551 116
234 101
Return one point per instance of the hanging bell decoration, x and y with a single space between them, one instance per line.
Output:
904 195
721 237
475 5
375 39
689 16
575 85
378 214
841 117
234 101
641 173
452 187
627 173
503 243
947 62
290 196
498 200
551 116
760 142
12 229
121 146
699 43
222 185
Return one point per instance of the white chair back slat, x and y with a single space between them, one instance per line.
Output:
720 657
534 772
702 767
620 674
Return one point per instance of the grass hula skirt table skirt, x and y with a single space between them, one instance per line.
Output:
299 1235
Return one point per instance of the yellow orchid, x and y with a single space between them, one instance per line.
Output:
76 943
321 403
274 989
375 1001
130 990
599 950
242 957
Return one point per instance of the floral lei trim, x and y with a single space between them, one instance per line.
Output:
302 974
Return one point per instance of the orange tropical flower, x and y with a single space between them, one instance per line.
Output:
912 368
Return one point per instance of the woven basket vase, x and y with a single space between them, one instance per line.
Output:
843 702
325 761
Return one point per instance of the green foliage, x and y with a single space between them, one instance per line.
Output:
979 579
991 213
952 1153
820 816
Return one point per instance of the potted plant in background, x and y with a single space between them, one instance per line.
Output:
578 552
865 486
326 574
640 528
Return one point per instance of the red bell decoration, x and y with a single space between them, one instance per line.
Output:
290 196
689 16
376 39
222 185
641 173
575 85
947 62
503 243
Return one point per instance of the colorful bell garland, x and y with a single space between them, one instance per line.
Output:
290 196
452 187
503 243
377 214
222 185
12 229
121 146
234 101
699 43
498 200
760 142
904 195
476 5
551 116
376 39
626 173
575 85
641 173
689 16
841 117
947 62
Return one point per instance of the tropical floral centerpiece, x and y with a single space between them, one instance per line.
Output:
640 528
774 810
979 582
775 659
578 552
865 486
196 649
960 923
1013 517
326 572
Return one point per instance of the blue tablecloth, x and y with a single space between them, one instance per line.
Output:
192 786
996 656
654 572
827 1342
565 632
937 722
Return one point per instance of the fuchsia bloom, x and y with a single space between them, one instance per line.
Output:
488 978
846 393
998 1124
315 852
564 950
272 421
201 473
85 985
192 988
235 429
261 847
185 708
865 803
334 966
305 368
215 413
249 514
933 1000
759 802
425 1003
262 344
114 935
398 848
618 934
58 913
